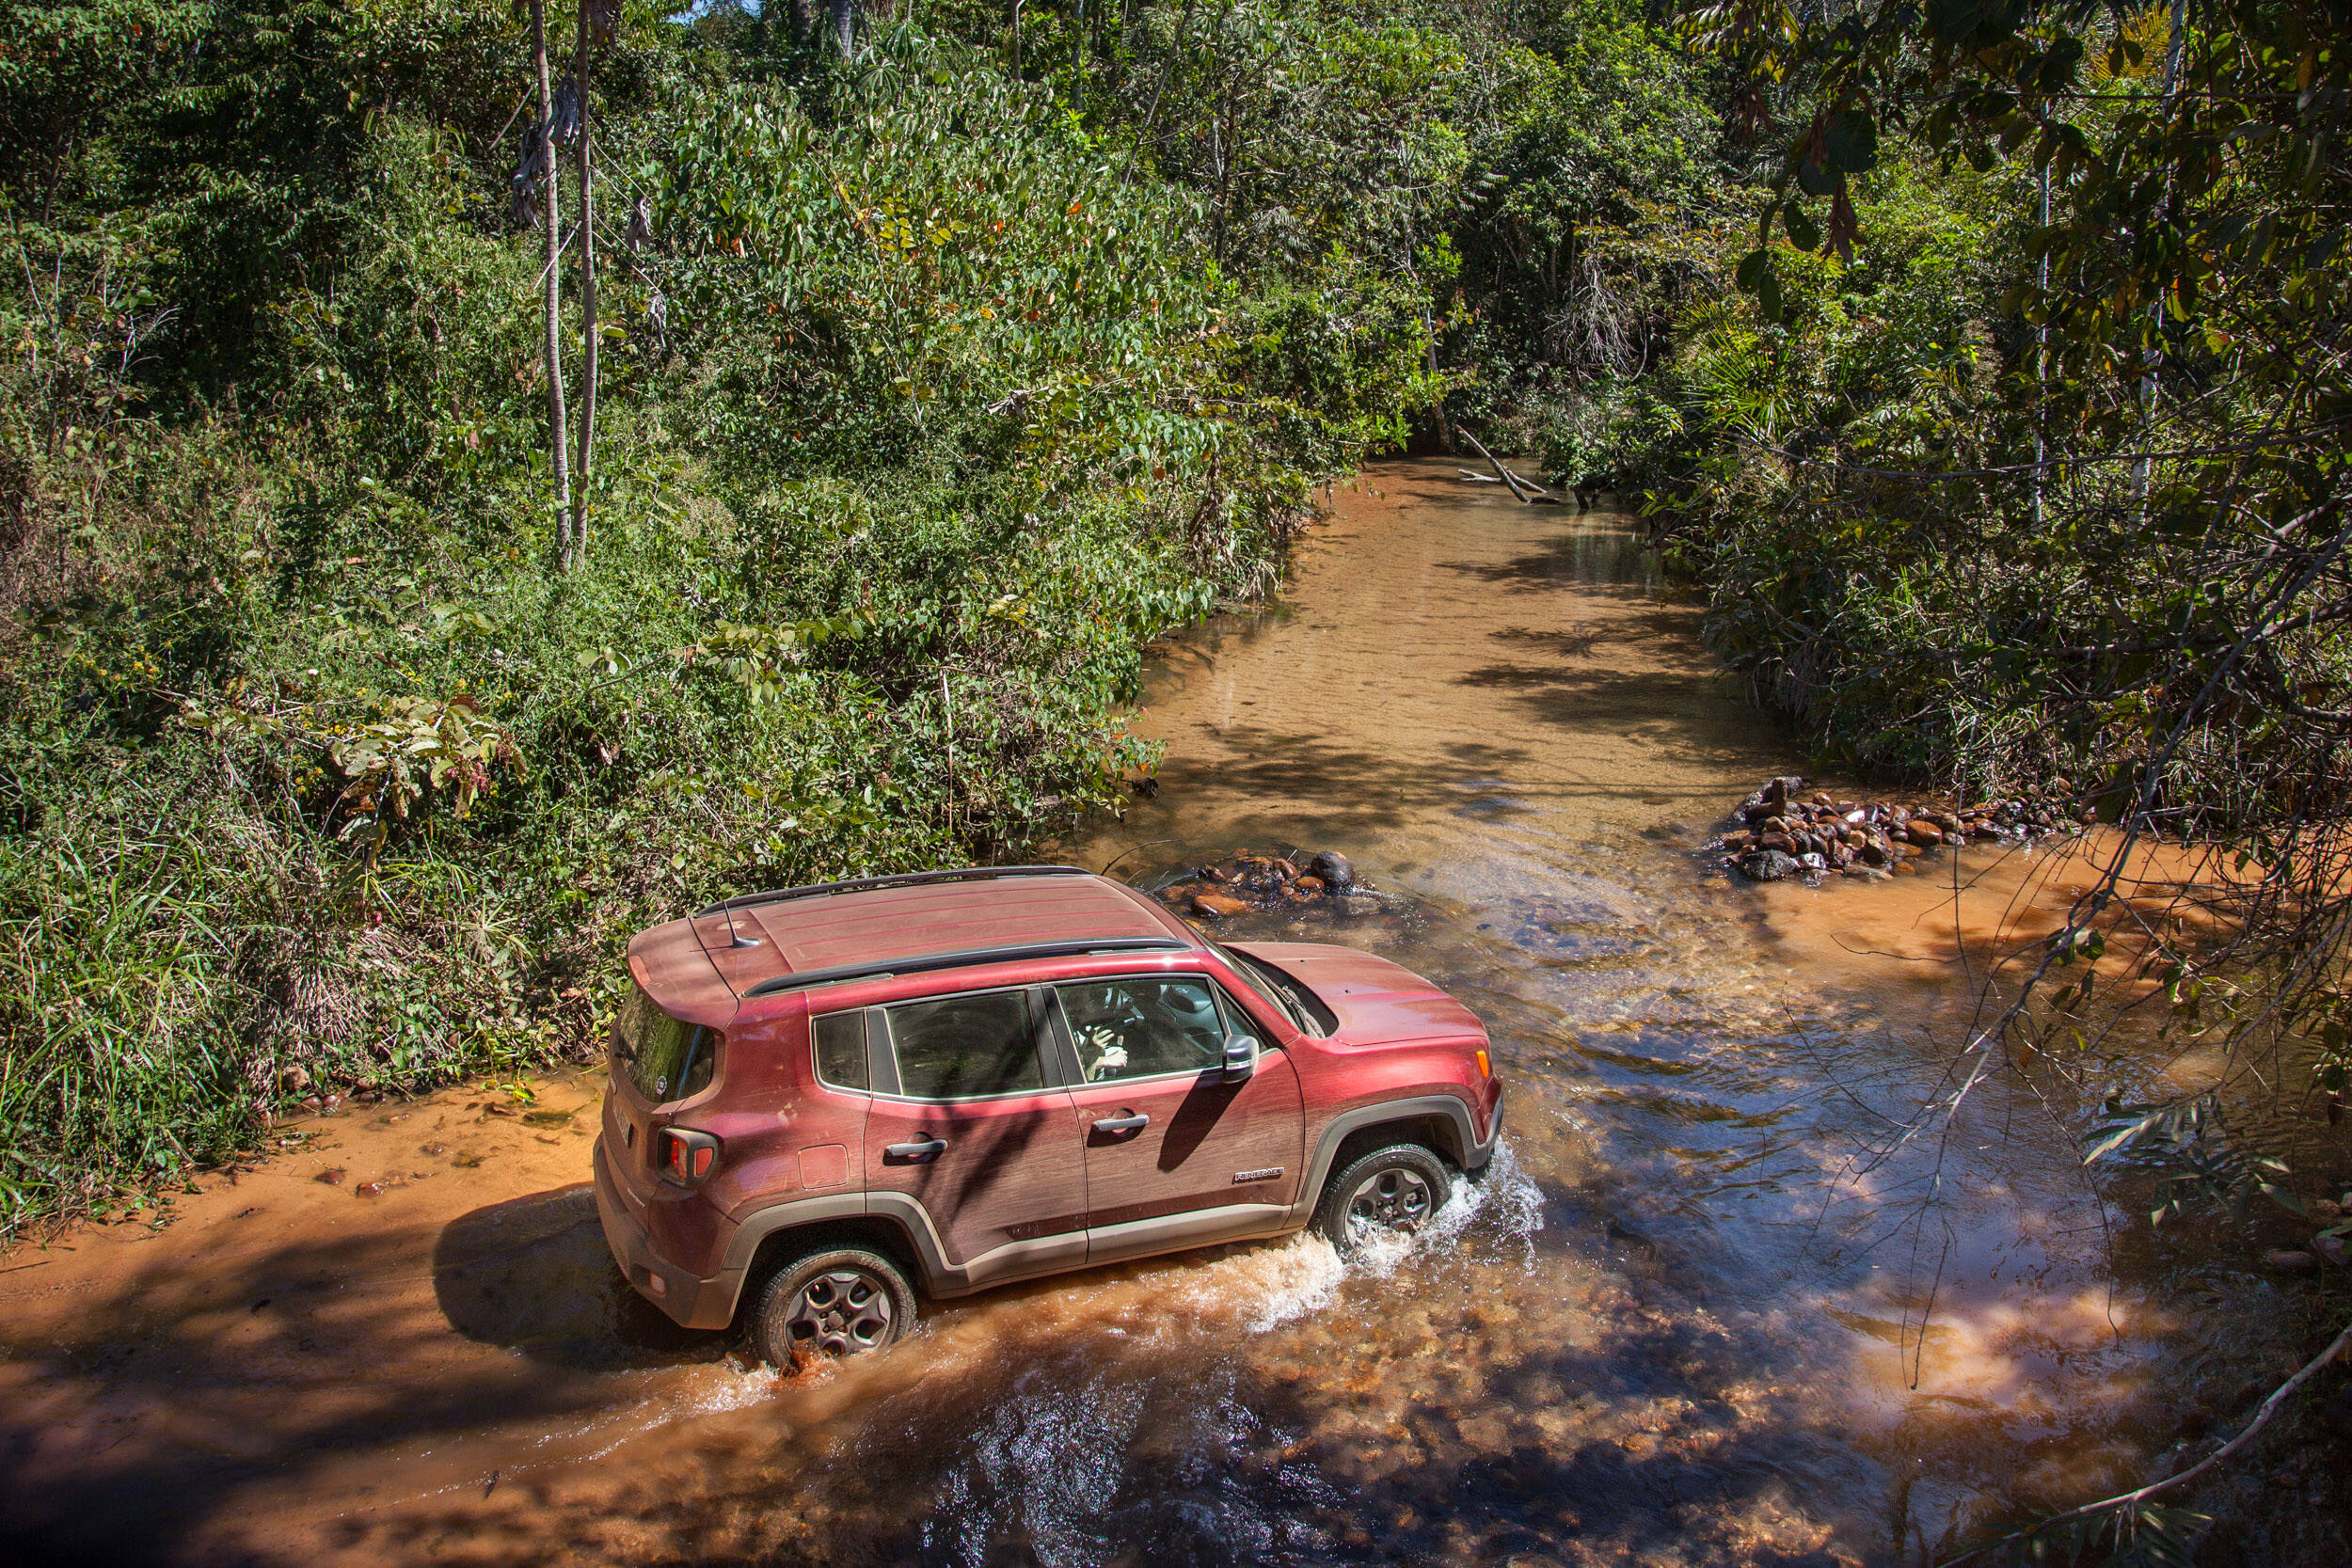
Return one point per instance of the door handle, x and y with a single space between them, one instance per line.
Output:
921 1153
1135 1123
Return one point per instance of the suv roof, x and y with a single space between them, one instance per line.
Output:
938 919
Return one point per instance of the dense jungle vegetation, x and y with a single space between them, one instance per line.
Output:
1983 362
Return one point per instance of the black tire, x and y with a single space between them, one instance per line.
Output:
837 1302
1396 1189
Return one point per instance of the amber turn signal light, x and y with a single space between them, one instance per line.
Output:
1486 1068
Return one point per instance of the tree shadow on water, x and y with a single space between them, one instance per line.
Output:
533 1274
172 1392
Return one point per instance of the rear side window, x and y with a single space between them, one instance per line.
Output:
962 1047
841 1041
667 1058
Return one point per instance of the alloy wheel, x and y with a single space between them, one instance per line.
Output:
843 1311
1395 1198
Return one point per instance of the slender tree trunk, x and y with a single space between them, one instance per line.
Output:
1445 431
799 17
578 553
1080 93
845 25
1016 40
2152 358
559 427
1151 116
2041 361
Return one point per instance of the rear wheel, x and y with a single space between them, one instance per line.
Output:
1391 1191
829 1305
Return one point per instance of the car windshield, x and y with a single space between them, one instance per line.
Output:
1296 1002
667 1058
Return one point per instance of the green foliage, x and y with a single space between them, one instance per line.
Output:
315 775
2187 1141
2143 1535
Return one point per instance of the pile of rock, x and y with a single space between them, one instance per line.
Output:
1251 881
1781 836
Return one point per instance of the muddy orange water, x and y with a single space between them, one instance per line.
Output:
1685 1319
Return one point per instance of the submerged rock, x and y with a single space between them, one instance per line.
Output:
1770 866
1247 881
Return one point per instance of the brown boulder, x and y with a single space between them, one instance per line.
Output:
1924 833
1308 885
1218 906
1336 869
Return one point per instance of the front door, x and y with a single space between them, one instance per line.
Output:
1167 1138
964 1122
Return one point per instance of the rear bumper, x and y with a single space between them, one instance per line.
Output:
692 1302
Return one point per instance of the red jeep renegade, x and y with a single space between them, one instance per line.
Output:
957 1079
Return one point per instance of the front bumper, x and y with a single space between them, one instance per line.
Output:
690 1302
1478 1155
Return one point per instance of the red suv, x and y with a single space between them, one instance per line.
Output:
958 1079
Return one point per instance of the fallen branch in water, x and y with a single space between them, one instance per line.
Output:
1519 487
2262 1419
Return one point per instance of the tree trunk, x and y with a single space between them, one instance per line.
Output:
2042 359
798 22
845 25
2152 358
578 551
559 427
1445 431
1080 53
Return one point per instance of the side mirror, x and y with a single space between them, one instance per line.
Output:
1241 1058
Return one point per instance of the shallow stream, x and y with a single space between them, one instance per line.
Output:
1709 1308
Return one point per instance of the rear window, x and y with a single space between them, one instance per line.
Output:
963 1047
667 1058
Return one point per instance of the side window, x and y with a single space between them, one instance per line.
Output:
1140 1028
961 1046
841 1041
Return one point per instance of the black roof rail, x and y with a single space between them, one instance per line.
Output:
920 962
903 878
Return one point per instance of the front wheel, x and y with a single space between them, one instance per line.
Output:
1390 1192
826 1306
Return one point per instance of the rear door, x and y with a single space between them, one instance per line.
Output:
966 1120
1165 1135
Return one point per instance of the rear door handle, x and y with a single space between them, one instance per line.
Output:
921 1153
1123 1124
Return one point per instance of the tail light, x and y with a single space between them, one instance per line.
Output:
685 1156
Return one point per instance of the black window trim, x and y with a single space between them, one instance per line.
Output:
884 1047
1066 1043
816 1064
